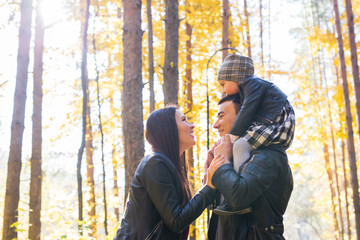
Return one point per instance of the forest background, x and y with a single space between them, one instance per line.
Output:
70 183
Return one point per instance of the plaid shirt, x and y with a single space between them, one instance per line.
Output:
280 132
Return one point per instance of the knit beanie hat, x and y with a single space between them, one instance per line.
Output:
236 68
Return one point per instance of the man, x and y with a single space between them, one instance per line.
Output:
264 185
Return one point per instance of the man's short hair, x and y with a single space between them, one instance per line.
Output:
235 99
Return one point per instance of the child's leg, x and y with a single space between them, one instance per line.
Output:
241 152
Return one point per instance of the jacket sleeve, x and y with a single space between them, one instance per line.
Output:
253 93
160 182
242 190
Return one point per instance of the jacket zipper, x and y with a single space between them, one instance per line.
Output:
154 230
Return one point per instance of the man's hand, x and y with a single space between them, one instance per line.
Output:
224 148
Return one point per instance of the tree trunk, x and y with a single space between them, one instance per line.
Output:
151 56
261 37
335 162
88 130
12 193
188 75
322 65
190 159
115 167
332 190
345 188
101 133
322 70
248 40
341 112
78 167
189 103
133 129
225 28
90 170
171 84
354 60
35 161
315 21
115 177
351 146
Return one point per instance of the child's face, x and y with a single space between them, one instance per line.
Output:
229 87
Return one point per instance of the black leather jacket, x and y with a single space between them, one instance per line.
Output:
155 195
265 184
262 102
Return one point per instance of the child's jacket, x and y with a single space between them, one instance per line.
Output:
262 102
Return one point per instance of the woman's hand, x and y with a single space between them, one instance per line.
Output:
215 164
210 156
224 148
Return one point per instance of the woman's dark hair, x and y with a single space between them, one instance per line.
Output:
162 134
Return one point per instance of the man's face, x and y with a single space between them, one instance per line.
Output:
225 118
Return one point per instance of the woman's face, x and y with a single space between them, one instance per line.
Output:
186 131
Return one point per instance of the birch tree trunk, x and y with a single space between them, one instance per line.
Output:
133 129
12 193
350 140
36 157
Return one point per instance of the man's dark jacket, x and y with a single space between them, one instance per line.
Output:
155 195
265 184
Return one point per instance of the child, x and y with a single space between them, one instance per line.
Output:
265 118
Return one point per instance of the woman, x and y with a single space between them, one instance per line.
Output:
160 204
